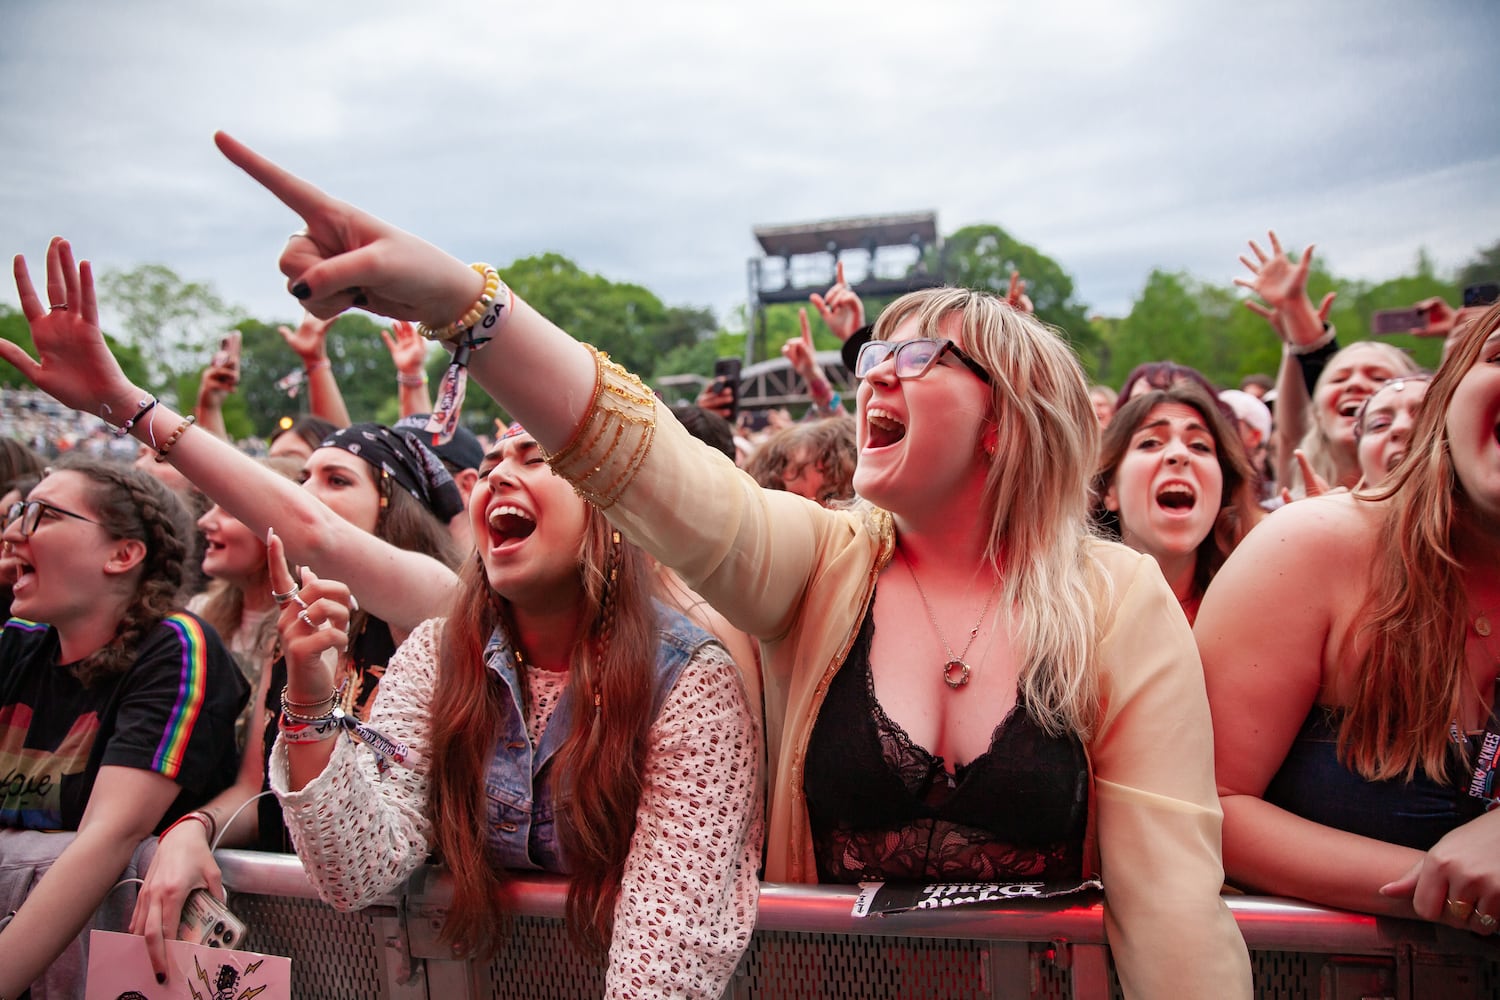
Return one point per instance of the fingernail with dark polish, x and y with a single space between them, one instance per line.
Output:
361 300
161 977
301 290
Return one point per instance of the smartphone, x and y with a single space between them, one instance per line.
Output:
1483 294
727 376
1384 322
206 921
228 353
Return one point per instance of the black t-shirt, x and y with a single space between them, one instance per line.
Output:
171 712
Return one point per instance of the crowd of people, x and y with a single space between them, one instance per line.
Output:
988 623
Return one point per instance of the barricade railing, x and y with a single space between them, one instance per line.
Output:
808 943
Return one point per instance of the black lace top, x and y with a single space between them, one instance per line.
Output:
884 809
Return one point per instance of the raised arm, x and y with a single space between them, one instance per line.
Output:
75 366
310 342
543 377
751 560
409 354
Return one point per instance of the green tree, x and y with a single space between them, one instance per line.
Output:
171 321
983 256
1484 267
13 327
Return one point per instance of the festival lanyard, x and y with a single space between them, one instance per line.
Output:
1482 782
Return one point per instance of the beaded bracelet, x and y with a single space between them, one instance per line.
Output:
188 421
308 712
141 409
469 319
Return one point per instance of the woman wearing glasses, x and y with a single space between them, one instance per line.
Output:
117 708
960 681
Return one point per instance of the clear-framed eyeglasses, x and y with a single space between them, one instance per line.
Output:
914 358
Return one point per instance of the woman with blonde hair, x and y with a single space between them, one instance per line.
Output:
1355 738
902 745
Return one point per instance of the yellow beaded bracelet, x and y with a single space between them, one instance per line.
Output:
468 319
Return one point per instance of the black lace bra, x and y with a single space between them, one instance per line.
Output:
883 808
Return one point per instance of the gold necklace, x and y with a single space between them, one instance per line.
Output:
958 679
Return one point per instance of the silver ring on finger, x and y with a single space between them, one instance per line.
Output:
307 620
1485 921
290 595
63 306
303 234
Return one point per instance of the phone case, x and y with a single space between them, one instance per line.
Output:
208 922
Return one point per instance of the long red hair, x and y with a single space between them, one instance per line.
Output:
598 769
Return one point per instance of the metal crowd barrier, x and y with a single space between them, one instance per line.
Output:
807 944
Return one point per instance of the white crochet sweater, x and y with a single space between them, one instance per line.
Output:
689 890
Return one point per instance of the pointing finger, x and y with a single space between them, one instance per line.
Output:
281 576
291 190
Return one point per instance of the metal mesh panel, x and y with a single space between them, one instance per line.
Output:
1489 978
334 955
787 966
1285 975
538 962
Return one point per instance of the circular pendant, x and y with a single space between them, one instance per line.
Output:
1482 626
955 674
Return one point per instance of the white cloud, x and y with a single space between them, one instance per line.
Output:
645 141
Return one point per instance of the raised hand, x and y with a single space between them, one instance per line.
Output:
73 363
1278 281
800 353
309 340
408 349
313 620
1282 285
347 257
841 309
1015 295
717 398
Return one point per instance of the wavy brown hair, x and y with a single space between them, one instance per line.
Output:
129 503
829 443
1238 509
597 773
1412 682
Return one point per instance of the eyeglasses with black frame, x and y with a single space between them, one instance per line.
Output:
30 514
914 358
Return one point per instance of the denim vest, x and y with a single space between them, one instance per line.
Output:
520 805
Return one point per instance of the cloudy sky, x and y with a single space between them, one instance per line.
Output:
646 140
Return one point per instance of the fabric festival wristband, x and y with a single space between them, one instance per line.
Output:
450 394
316 731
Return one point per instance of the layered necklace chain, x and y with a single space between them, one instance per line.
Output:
956 669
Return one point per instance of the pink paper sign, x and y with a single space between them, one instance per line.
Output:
119 969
